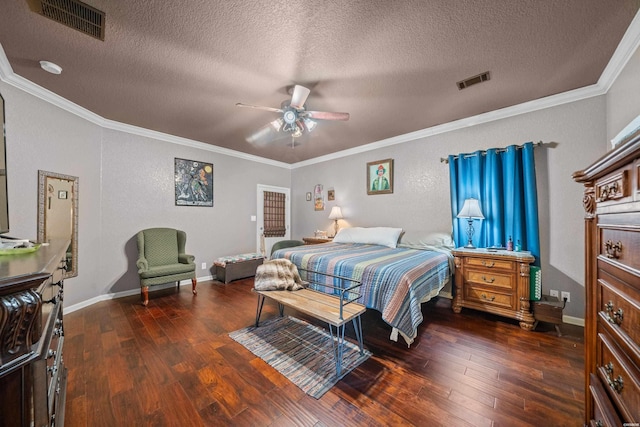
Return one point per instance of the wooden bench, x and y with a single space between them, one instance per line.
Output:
335 310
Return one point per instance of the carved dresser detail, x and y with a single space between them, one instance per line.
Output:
32 373
612 285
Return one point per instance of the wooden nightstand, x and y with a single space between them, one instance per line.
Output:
495 282
316 240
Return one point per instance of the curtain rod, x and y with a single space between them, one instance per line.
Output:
499 150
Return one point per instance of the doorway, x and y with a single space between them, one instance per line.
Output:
273 219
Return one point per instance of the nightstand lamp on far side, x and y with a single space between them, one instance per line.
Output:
335 215
470 210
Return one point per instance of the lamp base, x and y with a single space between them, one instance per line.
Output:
470 245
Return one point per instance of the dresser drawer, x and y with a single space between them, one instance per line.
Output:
503 281
620 377
604 413
619 239
619 309
500 264
487 296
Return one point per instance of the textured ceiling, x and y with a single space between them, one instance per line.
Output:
179 67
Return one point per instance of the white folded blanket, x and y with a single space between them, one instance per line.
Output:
278 275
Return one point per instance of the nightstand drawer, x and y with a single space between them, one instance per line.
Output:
490 263
486 296
492 278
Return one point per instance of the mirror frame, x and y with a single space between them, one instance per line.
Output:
72 270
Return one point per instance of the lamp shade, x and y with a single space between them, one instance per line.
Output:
336 213
471 209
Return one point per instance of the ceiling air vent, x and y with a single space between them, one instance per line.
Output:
72 13
463 84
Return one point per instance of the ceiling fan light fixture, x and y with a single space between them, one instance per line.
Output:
277 124
297 132
310 124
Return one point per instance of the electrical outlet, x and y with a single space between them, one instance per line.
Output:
566 295
204 265
553 293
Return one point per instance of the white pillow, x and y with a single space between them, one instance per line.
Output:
424 239
384 236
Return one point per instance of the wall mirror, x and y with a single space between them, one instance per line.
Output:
58 213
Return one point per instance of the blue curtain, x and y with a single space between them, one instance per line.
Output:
504 181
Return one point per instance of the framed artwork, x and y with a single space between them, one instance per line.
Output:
309 196
380 177
318 198
331 195
194 183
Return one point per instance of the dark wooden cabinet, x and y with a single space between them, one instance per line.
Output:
32 371
612 280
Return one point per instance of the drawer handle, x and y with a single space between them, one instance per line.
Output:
484 297
613 250
614 317
493 279
488 264
616 384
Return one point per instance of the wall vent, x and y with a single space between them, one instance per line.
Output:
72 13
463 84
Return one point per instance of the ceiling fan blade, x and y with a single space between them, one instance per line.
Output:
299 96
326 115
258 107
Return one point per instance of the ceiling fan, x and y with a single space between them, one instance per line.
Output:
295 119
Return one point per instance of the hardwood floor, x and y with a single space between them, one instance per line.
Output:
173 364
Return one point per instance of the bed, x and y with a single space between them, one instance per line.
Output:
396 277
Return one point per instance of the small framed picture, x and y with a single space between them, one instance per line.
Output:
309 196
331 195
380 177
62 194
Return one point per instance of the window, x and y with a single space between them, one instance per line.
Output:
274 211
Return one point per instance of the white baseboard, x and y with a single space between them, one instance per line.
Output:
570 320
126 293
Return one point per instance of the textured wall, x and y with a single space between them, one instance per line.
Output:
421 193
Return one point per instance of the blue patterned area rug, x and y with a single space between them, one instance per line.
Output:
301 352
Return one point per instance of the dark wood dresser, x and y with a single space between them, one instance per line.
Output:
612 280
32 373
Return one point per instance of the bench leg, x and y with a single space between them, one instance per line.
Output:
357 327
281 309
337 345
259 308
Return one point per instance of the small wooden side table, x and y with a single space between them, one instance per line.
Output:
316 240
495 282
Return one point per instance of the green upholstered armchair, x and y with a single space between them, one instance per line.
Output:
285 244
161 259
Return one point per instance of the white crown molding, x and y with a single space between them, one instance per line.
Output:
525 107
625 50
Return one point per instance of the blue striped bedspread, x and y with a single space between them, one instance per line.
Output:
395 281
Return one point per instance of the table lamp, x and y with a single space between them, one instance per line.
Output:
335 215
470 210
